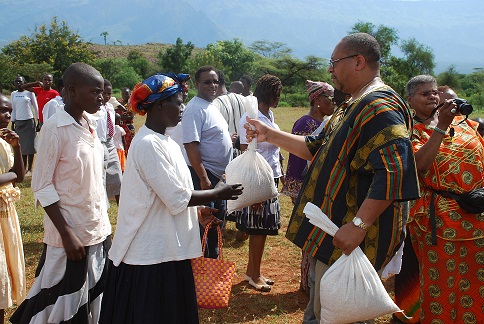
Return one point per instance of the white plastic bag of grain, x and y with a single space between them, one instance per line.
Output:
350 290
253 172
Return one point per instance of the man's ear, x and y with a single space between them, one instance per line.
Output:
360 62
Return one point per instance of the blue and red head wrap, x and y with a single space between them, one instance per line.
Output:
156 87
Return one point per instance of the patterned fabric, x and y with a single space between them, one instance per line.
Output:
315 88
363 151
295 166
156 87
127 125
451 272
72 293
12 265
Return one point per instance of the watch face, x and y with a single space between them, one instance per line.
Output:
357 221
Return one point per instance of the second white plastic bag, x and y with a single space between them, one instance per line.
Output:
350 290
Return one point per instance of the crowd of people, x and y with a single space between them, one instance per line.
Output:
387 170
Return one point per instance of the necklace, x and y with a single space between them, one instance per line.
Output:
364 90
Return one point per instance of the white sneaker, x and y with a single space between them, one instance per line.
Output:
28 174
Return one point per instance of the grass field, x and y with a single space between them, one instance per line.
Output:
285 304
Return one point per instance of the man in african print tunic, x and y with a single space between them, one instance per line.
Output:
363 169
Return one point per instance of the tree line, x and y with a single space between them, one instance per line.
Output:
53 48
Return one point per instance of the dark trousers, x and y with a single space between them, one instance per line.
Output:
212 238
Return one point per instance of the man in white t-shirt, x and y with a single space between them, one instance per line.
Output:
207 142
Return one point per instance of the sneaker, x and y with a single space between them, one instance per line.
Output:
28 174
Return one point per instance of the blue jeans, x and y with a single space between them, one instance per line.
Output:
212 238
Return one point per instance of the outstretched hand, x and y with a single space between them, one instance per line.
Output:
255 129
228 192
9 136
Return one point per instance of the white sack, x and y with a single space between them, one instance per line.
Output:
253 172
350 290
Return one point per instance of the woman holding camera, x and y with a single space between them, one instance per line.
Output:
448 240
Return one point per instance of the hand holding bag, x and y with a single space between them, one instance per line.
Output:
213 277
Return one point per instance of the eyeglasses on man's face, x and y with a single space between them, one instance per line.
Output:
209 82
333 62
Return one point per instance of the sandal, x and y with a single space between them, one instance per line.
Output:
263 288
266 280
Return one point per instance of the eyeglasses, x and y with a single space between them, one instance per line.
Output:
332 62
209 82
429 92
330 98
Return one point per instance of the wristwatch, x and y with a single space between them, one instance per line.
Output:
359 223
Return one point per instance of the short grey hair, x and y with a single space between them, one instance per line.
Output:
414 82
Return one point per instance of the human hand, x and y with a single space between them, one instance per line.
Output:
73 246
255 129
37 128
256 207
234 137
348 237
9 136
205 216
205 184
228 192
447 112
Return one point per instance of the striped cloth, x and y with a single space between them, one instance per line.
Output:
364 151
66 290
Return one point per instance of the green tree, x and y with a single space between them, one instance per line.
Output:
118 72
105 35
234 56
451 78
270 49
140 64
57 46
418 58
386 36
175 58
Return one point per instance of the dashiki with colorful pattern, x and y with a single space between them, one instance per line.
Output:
363 152
452 271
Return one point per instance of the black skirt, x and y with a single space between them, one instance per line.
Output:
159 293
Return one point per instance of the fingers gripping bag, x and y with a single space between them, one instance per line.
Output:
253 172
350 290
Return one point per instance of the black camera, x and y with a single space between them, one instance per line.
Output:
463 107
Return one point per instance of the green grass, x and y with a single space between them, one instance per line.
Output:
246 306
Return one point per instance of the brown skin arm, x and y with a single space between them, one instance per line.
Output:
17 172
72 245
195 158
295 144
222 191
425 156
349 236
30 86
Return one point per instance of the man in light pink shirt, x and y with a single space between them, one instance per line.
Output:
67 182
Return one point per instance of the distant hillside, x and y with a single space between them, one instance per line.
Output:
453 29
150 50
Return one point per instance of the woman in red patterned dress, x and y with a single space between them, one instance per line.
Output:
448 240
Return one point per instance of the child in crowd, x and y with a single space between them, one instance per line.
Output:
105 130
119 141
53 105
68 183
44 92
12 266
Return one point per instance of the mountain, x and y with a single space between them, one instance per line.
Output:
453 29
